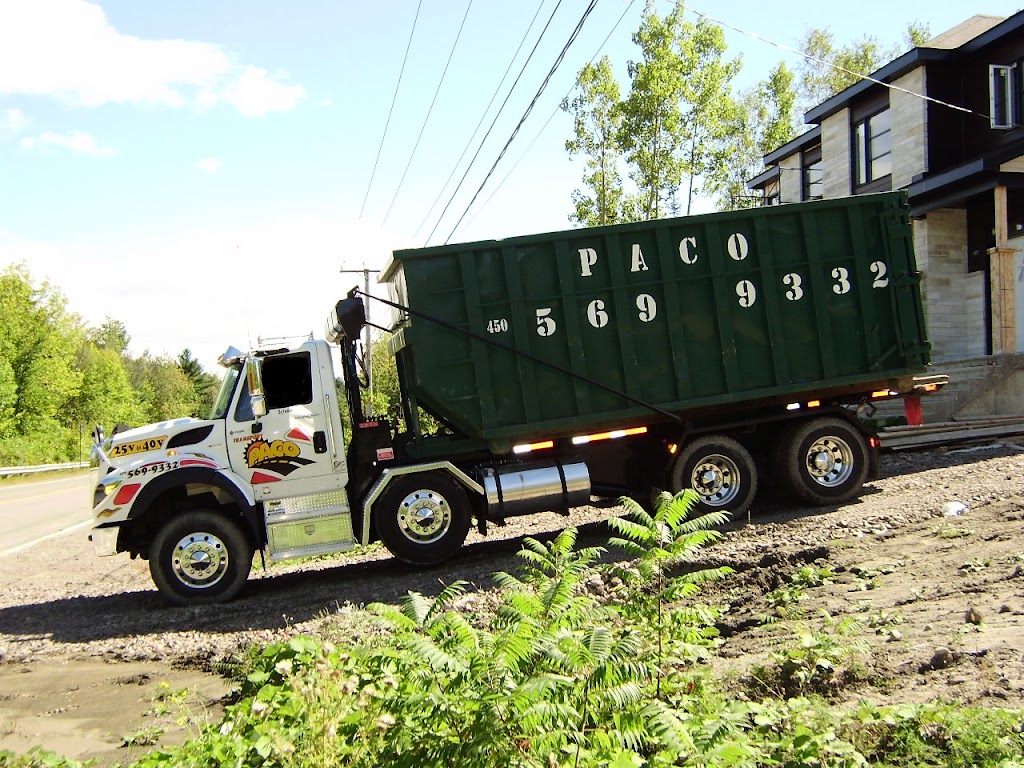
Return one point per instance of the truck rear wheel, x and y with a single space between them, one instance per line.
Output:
720 470
823 461
423 519
200 557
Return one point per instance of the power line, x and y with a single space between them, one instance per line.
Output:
476 130
551 117
394 98
835 66
429 111
529 109
493 122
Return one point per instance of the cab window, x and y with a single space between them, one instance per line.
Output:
243 410
287 380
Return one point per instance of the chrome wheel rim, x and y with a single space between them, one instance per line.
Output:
716 479
200 560
829 461
424 516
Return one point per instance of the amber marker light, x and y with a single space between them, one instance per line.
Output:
616 433
533 447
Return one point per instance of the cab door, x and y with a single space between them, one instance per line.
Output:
290 451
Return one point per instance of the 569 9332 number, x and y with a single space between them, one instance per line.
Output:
152 469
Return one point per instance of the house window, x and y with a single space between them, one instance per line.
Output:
1001 95
812 174
872 148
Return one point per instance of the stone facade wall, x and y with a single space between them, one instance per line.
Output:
835 154
909 129
954 299
790 179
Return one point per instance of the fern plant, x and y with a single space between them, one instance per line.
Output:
548 590
660 543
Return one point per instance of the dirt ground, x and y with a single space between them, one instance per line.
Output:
929 563
86 708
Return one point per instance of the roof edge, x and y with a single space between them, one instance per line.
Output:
895 69
793 145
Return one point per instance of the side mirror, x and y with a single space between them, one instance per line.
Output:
254 377
259 406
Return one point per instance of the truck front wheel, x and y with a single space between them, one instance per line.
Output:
823 461
720 470
423 518
200 557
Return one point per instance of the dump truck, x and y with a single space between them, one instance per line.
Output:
723 353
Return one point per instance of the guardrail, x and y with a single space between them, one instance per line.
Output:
6 471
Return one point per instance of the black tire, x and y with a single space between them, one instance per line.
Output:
720 470
423 518
823 461
200 557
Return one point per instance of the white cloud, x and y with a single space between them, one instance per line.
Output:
209 165
254 94
15 120
67 49
78 142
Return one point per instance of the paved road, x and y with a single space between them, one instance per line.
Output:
32 511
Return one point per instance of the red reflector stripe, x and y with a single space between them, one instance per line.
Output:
127 493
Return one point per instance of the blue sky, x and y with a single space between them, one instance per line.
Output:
198 169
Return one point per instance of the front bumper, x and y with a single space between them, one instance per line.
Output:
104 540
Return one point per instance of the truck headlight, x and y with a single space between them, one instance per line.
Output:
103 490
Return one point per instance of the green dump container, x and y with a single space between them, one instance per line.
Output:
766 304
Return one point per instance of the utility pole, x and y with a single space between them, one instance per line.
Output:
369 353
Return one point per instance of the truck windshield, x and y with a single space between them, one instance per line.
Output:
227 389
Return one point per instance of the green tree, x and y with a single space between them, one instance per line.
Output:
106 396
39 340
8 399
763 121
918 33
777 105
111 335
204 385
164 389
651 134
597 120
679 111
830 68
386 400
709 108
39 374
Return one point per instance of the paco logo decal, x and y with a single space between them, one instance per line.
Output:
280 456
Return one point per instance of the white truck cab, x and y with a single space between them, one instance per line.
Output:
265 472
